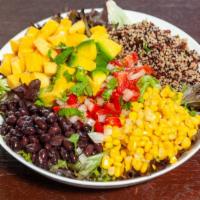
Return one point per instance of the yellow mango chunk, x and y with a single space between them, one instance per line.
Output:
5 67
75 39
78 27
25 42
49 28
17 65
98 35
14 45
66 23
45 80
34 62
58 38
26 77
13 80
32 31
98 29
43 47
50 68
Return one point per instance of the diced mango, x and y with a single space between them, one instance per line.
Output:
98 29
50 68
34 62
17 65
49 28
22 53
58 38
66 22
32 31
13 80
5 67
98 35
14 45
26 77
75 39
26 42
78 27
43 47
45 80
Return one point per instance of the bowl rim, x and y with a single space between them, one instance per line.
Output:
119 183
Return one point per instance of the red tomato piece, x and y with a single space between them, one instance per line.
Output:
116 63
130 60
113 121
116 101
122 81
98 127
56 108
72 99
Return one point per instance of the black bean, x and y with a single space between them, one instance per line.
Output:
48 146
68 133
45 137
33 157
54 130
33 109
23 112
73 158
15 145
33 139
20 91
86 128
30 130
15 132
77 126
42 156
56 140
63 153
98 148
51 118
89 150
3 107
68 145
82 144
40 122
53 155
33 148
44 111
24 141
17 114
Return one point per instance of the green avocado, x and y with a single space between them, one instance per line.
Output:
109 48
87 49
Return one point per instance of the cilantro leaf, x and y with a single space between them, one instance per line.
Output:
25 155
67 76
146 48
112 84
63 56
78 89
69 112
74 139
39 102
127 105
107 94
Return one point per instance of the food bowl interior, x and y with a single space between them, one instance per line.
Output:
135 17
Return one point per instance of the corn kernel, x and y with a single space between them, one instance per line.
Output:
105 162
186 143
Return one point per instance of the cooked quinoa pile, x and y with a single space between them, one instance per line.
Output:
169 55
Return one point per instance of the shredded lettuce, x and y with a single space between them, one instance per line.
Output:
3 87
116 15
61 164
145 82
74 139
25 155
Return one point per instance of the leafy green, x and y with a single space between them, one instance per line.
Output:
146 48
88 166
49 54
63 56
67 76
82 87
145 82
69 112
61 164
126 105
3 87
74 139
111 85
102 62
39 102
25 155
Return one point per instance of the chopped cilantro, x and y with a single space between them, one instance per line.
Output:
146 48
74 139
49 54
107 94
39 102
25 155
63 56
127 106
69 112
67 76
111 85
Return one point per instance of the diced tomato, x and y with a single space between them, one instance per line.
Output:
148 69
56 108
98 127
113 121
72 99
122 81
116 101
110 107
130 60
116 63
100 92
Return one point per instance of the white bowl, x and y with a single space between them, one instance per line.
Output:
135 17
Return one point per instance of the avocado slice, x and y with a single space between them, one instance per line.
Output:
83 62
108 47
87 49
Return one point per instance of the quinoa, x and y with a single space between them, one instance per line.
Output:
169 55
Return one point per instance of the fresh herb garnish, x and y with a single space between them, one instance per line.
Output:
146 48
25 155
69 112
74 139
67 76
39 102
63 56
127 106
3 87
111 85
